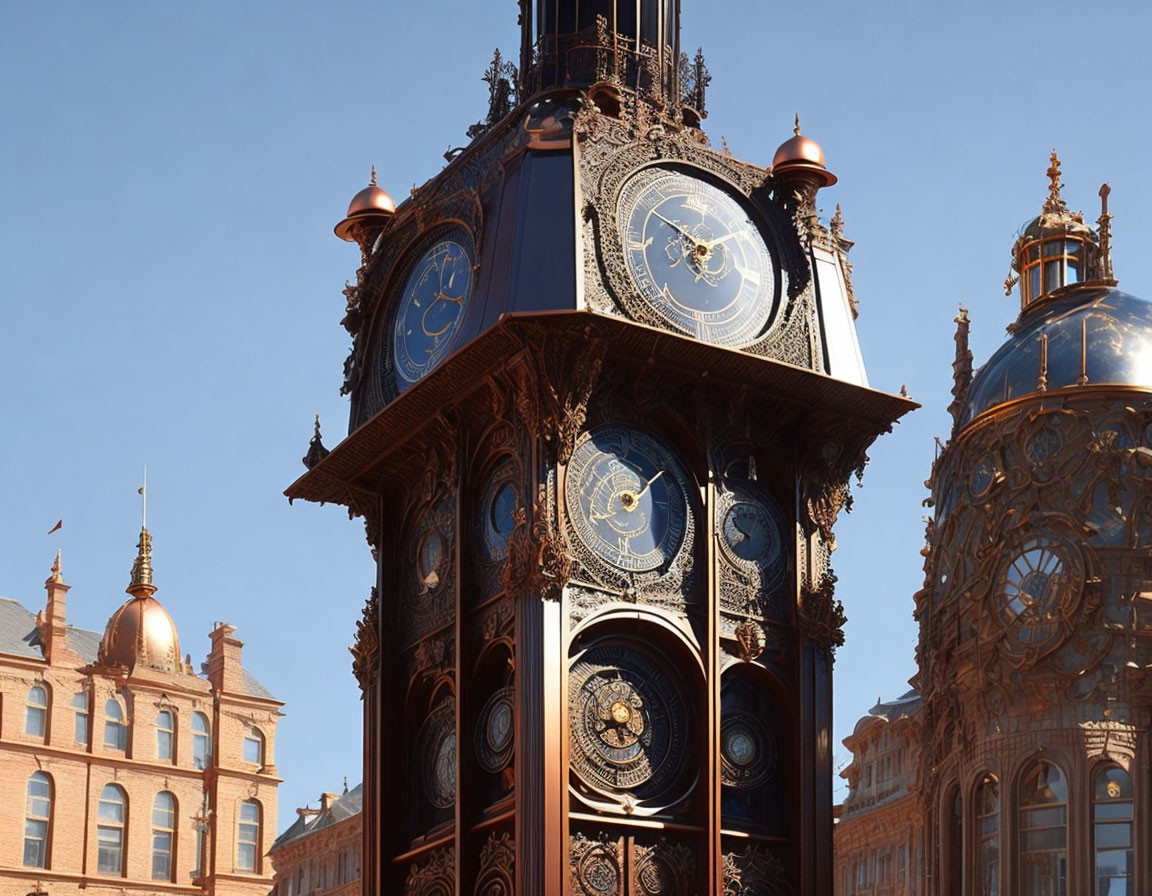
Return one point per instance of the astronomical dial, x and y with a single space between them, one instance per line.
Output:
627 498
497 512
696 256
628 721
495 731
431 558
432 307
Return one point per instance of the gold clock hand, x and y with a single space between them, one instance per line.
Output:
648 484
680 229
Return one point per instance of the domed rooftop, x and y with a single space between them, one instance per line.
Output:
141 633
372 205
1095 336
802 154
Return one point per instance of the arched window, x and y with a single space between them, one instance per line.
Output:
253 746
165 731
1112 830
36 715
37 820
111 823
115 731
952 841
248 837
201 740
1043 807
988 847
80 708
163 836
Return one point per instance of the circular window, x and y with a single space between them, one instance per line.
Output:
1038 586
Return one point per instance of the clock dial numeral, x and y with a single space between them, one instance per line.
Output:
696 257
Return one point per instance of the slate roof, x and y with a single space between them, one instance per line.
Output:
19 637
351 803
904 705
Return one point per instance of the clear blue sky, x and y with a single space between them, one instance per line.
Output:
169 177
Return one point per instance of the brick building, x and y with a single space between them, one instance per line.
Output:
122 770
879 840
319 854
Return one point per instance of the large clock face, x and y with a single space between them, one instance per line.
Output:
627 498
431 308
696 257
628 721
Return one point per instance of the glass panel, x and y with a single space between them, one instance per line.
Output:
111 804
164 811
34 721
1053 275
253 744
161 855
1113 835
1120 810
35 839
1073 271
1033 282
1047 838
109 852
1039 818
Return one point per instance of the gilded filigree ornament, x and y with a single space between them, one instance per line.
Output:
754 871
436 876
820 616
366 648
497 875
596 866
663 868
538 561
501 77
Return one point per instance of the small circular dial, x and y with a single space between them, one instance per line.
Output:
627 498
495 732
498 507
436 753
628 721
982 476
748 754
431 308
696 257
752 533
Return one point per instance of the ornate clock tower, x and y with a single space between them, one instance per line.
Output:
606 397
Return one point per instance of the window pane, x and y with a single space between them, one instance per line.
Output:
108 857
34 721
253 747
163 745
161 855
35 839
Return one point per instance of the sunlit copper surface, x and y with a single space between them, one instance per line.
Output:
372 205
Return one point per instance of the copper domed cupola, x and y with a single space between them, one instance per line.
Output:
141 633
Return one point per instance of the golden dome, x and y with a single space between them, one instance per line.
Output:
370 205
800 153
141 633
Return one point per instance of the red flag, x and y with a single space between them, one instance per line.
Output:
59 523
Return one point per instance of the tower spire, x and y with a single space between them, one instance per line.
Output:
140 584
1054 203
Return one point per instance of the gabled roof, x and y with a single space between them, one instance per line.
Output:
346 806
19 636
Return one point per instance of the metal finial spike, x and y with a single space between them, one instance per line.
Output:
372 179
1054 187
316 428
141 583
57 570
796 129
1105 222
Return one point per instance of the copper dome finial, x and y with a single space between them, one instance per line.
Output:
796 129
1054 203
141 583
57 572
372 178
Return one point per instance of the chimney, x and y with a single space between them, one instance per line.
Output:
326 801
225 671
51 621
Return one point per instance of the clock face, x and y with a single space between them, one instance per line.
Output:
497 509
431 308
628 721
627 498
747 751
696 256
752 534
